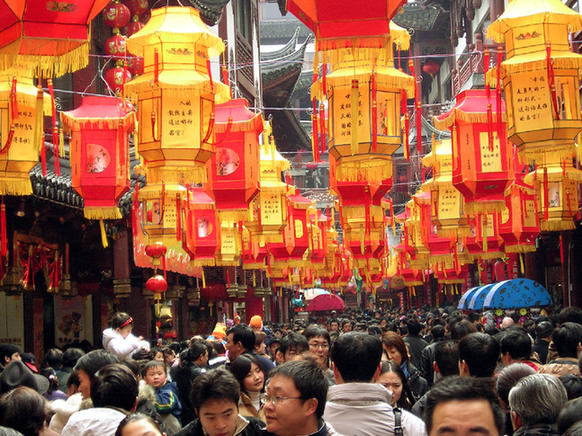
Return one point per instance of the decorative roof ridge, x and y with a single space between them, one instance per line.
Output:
294 58
288 48
210 10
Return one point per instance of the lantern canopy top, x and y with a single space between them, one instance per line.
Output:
471 107
346 20
175 24
96 111
526 12
235 116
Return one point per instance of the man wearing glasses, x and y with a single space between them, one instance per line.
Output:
295 400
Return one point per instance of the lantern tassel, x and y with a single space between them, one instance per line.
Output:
354 116
484 232
203 277
406 141
8 143
38 128
55 129
178 217
551 81
14 99
210 128
498 90
546 194
322 130
154 130
490 127
3 234
374 115
104 241
156 66
61 144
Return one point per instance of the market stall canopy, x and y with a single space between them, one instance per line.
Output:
517 293
466 298
323 303
478 297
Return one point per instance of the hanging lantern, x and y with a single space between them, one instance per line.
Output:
368 31
484 241
117 77
268 214
116 14
519 222
481 152
253 252
158 285
235 164
99 153
296 234
156 252
22 106
116 47
229 251
176 95
540 76
556 185
430 67
450 272
52 34
201 232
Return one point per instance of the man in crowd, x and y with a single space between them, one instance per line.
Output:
296 396
414 342
516 347
535 403
215 395
291 346
567 341
478 355
8 353
241 339
462 406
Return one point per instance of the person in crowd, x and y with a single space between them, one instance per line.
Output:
114 393
318 340
167 401
507 378
62 410
53 358
119 340
70 358
463 405
217 356
459 329
249 374
334 325
446 363
544 332
392 378
260 344
478 355
396 350
567 339
29 360
573 385
24 410
241 339
570 414
516 347
295 400
138 424
347 326
256 324
8 353
507 322
414 341
53 392
17 374
292 345
273 345
215 396
427 355
88 365
192 363
535 403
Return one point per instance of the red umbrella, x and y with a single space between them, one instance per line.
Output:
326 302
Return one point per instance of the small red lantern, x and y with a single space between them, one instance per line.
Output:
116 78
156 251
431 68
116 14
116 46
135 26
136 7
158 285
135 65
99 153
200 239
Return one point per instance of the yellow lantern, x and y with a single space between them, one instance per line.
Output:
22 106
176 94
556 184
540 76
268 213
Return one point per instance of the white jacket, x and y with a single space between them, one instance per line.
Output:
122 347
99 421
364 409
63 409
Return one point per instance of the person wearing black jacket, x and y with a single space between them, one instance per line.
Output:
192 363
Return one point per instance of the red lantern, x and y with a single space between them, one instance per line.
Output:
135 65
116 78
431 68
116 14
135 26
137 7
235 164
441 248
99 153
52 33
156 251
484 241
201 234
158 285
116 47
481 152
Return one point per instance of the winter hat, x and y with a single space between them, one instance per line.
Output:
17 374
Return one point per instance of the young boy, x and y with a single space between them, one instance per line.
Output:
166 402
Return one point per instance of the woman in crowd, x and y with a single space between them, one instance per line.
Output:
249 374
395 348
392 378
139 425
23 409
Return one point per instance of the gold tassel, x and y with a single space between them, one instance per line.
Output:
355 120
484 234
203 277
103 234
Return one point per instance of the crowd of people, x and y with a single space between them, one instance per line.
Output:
414 373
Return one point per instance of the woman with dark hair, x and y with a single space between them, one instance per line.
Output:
53 392
23 409
396 351
392 378
249 374
193 362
